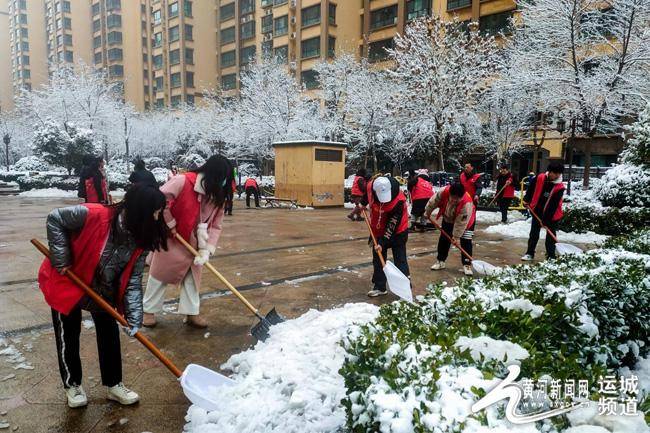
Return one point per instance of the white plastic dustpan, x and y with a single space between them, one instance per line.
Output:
201 385
564 249
398 283
484 268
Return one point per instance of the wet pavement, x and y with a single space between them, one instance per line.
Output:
294 260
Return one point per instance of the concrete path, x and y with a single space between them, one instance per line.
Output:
294 260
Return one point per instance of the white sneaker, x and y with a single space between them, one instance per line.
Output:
467 270
122 394
76 396
438 266
374 293
527 258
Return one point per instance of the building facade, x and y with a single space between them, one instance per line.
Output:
6 84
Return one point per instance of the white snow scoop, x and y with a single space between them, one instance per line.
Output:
398 283
481 267
199 383
561 248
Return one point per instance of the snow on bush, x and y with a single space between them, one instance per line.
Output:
521 229
155 162
420 367
31 163
625 185
190 161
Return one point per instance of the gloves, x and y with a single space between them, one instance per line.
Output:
202 258
130 331
202 238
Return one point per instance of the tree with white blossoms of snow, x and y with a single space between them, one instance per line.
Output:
63 147
445 69
587 59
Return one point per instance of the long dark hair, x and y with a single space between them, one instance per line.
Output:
217 177
139 204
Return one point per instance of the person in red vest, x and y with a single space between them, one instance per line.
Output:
389 222
102 245
231 197
506 183
544 196
252 188
421 190
195 210
92 183
470 181
359 185
456 207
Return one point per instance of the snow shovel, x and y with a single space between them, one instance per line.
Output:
398 283
261 330
561 248
199 383
497 194
481 267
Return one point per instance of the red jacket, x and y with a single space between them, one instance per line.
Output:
380 213
92 196
422 190
539 187
86 245
186 208
444 199
469 183
356 190
509 190
251 183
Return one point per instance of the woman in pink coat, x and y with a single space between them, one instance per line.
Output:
195 208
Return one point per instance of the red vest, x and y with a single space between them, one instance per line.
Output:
92 196
186 208
469 183
378 211
422 190
250 183
234 185
444 199
355 187
539 187
86 245
509 190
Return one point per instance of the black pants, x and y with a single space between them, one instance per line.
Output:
465 242
399 258
228 207
66 332
254 192
535 228
504 204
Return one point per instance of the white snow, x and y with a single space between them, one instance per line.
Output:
48 193
290 382
521 229
523 305
487 217
88 324
487 348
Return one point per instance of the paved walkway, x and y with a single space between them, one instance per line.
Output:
294 260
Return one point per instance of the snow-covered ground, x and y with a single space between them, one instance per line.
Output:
487 217
48 193
521 229
289 383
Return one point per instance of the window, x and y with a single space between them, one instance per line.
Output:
228 59
113 21
68 56
59 40
98 57
309 79
160 103
281 26
229 82
495 23
267 3
331 46
227 35
246 6
189 79
24 46
279 2
58 23
174 57
175 80
22 19
417 8
27 74
157 39
95 9
189 56
267 48
332 13
157 17
267 23
97 24
247 55
456 4
173 34
158 84
66 6
173 10
114 54
329 155
247 30
189 34
377 50
310 15
114 38
97 41
281 53
24 60
22 4
116 71
113 4
187 8
227 11
383 17
189 99
157 61
310 48
176 100
67 40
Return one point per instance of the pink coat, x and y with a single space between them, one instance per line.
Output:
172 265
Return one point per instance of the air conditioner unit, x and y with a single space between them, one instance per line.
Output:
293 35
246 19
268 37
293 21
292 4
293 66
269 12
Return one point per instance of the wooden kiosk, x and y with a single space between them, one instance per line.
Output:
311 172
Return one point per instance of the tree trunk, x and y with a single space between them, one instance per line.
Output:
126 145
441 160
585 176
374 160
7 152
535 161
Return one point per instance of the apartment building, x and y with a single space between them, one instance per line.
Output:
301 32
6 84
67 32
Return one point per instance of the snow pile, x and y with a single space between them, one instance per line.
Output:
290 382
13 356
486 217
488 348
521 229
48 193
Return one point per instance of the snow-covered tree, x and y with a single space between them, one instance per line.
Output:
587 59
445 68
63 147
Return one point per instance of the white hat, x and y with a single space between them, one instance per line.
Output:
383 189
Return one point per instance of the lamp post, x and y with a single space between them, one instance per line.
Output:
7 139
561 127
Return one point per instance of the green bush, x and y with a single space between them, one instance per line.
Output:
610 221
637 241
577 318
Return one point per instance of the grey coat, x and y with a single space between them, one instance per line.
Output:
61 223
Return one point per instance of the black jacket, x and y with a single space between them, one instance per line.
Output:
545 215
501 181
144 177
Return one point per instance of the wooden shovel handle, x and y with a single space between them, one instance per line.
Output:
221 278
550 233
374 239
110 310
454 243
497 194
